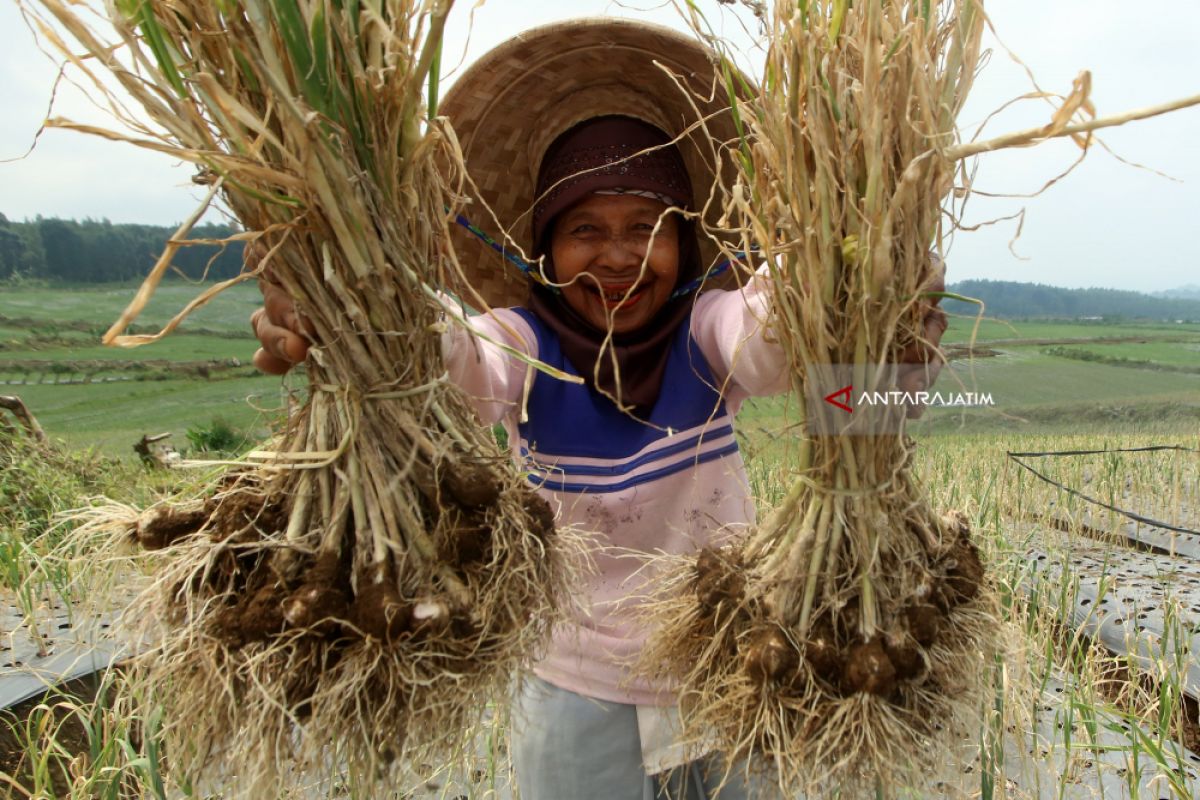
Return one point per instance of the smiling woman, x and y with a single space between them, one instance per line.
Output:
617 259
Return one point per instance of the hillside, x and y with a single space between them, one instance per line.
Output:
1190 291
1010 299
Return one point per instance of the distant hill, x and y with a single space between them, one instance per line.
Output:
1189 292
1009 299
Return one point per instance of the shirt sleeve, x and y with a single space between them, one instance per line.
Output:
493 379
732 330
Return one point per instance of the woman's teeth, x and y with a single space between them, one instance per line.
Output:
623 295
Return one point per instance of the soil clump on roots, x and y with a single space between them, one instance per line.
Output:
263 633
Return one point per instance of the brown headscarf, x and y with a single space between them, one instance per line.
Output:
604 154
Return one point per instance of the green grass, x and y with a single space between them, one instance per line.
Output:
1027 377
180 347
101 305
1182 354
1036 391
991 330
112 416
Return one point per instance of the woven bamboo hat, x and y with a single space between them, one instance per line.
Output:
511 104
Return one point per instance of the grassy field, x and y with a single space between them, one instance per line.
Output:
101 305
90 395
107 397
991 330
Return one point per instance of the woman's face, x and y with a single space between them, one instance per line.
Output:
615 273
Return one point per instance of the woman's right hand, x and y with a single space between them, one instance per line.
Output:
283 334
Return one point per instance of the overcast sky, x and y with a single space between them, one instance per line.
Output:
1107 224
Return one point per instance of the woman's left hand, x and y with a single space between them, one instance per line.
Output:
922 360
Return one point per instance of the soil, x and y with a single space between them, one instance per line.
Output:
1119 687
771 657
165 525
717 581
1190 735
834 653
323 596
1115 682
468 541
236 512
868 669
823 654
905 655
923 620
964 573
255 620
380 611
69 732
541 516
471 485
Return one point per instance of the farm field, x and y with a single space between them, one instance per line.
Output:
1120 719
100 305
95 396
92 396
993 330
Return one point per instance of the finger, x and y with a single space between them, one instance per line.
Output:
919 353
278 303
281 310
936 323
937 276
912 380
279 341
269 364
927 349
916 377
253 254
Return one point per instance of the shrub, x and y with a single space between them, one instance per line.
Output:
220 436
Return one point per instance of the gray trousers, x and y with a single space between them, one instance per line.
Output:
568 747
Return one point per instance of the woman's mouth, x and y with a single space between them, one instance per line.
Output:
613 296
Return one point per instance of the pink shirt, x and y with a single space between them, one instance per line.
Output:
678 513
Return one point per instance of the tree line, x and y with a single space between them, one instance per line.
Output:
1009 299
98 251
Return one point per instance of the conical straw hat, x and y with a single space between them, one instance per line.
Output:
513 102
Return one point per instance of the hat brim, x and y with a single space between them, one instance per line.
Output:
510 105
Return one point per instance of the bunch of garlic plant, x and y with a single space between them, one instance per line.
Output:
849 638
353 596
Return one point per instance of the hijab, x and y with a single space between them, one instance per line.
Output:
608 155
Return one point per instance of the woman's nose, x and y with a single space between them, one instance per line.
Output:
623 252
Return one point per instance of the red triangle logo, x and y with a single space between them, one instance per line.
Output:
843 393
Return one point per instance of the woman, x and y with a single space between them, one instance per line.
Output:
576 128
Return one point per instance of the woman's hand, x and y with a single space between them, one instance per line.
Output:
283 334
922 360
